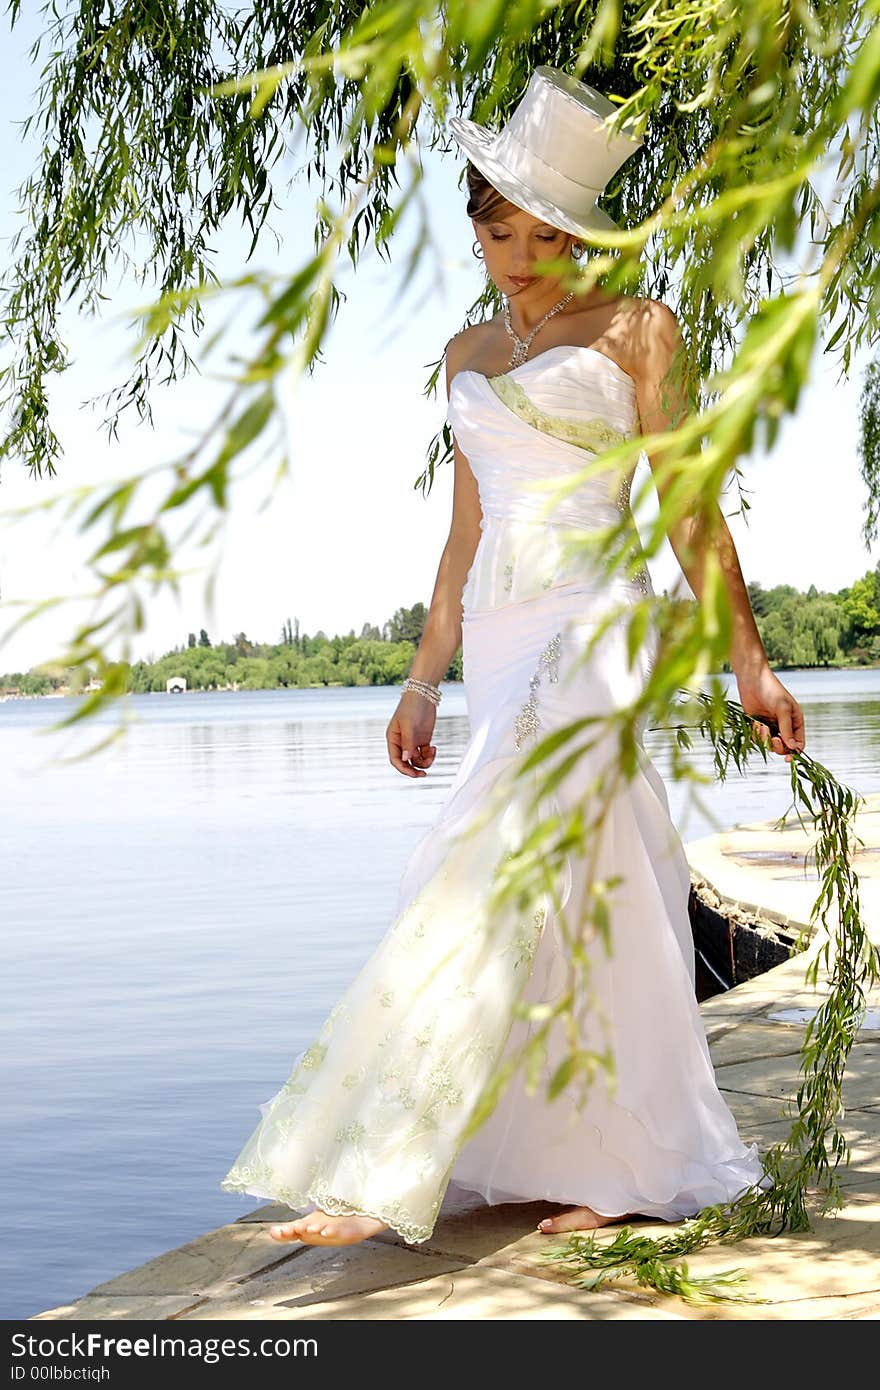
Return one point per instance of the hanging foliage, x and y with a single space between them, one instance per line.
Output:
752 210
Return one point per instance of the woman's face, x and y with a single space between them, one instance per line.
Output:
511 246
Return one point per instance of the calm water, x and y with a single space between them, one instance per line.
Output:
179 914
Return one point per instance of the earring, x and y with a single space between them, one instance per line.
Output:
478 254
577 250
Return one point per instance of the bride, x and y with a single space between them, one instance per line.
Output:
372 1124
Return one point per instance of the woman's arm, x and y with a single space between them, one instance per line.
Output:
441 637
662 401
411 727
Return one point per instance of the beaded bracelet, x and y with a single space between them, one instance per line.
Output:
430 692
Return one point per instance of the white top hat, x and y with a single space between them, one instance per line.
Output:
554 156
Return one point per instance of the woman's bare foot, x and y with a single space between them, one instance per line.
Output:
578 1219
317 1228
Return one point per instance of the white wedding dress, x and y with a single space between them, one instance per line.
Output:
372 1119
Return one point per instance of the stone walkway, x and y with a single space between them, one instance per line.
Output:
485 1262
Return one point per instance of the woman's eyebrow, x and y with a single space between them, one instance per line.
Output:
506 221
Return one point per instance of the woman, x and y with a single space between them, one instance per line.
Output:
373 1122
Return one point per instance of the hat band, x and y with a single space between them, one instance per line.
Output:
536 175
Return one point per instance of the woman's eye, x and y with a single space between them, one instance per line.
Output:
545 237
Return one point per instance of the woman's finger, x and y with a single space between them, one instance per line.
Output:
423 753
397 756
785 724
411 761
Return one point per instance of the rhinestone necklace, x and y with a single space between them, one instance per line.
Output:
521 345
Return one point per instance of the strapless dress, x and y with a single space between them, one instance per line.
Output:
375 1117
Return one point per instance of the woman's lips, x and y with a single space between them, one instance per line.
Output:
519 281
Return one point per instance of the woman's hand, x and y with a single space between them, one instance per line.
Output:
409 734
764 697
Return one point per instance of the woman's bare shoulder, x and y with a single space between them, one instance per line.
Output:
644 319
642 329
466 345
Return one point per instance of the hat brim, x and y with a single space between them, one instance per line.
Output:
478 142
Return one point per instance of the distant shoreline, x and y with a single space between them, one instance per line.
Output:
208 690
340 685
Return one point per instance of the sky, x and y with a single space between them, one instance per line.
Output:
344 538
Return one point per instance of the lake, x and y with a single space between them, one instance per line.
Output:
181 911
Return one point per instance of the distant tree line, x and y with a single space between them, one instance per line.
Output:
814 629
377 656
820 629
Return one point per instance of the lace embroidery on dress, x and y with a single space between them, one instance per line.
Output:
394 1214
526 723
416 1088
525 943
594 434
641 576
